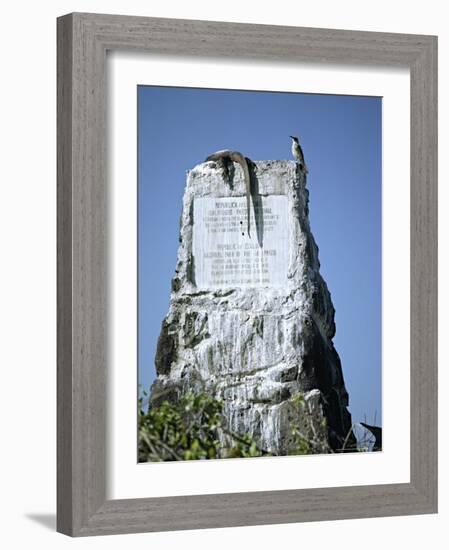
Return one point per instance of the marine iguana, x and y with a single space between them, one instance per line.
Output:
224 157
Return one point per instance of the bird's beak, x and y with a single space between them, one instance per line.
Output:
292 137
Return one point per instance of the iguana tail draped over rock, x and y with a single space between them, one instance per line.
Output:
226 156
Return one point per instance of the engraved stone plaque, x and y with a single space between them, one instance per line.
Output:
224 255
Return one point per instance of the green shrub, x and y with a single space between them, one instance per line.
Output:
189 430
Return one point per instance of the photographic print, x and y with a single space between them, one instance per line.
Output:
255 281
259 276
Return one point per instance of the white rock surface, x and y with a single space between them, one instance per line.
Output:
259 342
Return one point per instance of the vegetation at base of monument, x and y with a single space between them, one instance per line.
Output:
193 429
189 430
307 437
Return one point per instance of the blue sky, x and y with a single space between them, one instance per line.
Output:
341 139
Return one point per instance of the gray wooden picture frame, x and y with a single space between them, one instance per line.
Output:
83 40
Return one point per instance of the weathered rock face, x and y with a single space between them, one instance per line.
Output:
251 320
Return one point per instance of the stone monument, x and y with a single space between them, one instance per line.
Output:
251 320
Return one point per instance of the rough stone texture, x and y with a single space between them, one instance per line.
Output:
256 348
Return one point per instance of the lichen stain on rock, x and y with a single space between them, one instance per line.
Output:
166 347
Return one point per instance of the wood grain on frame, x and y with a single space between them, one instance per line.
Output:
83 40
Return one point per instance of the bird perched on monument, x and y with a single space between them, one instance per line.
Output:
298 154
